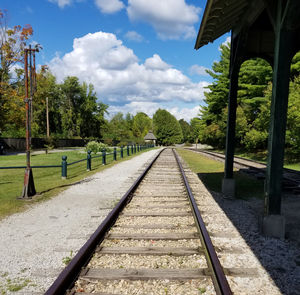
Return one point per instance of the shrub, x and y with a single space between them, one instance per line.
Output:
255 139
93 147
96 147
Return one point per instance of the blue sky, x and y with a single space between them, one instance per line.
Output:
138 54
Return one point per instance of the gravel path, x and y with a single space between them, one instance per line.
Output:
34 243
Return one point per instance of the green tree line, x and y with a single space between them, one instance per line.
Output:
253 104
73 108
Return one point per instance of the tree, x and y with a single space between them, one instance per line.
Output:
166 128
213 127
141 125
46 88
295 66
72 100
117 131
12 43
91 116
195 128
186 131
254 77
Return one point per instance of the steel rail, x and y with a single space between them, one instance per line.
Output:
218 276
69 275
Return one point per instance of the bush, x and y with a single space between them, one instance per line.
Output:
96 147
92 146
255 139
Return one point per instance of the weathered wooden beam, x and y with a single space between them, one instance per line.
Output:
145 274
154 236
180 251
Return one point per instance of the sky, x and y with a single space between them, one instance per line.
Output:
138 54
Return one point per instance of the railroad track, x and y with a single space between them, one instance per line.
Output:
153 242
291 178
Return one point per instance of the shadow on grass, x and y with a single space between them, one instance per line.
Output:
246 187
248 225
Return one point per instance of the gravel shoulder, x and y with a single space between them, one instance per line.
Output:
34 243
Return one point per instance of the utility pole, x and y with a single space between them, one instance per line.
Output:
29 188
47 118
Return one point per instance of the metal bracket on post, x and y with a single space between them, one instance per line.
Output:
28 188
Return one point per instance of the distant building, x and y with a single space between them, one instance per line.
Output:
150 137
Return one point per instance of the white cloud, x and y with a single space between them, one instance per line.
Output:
198 70
156 63
226 42
109 6
185 113
150 108
118 77
134 107
61 3
13 69
134 36
172 19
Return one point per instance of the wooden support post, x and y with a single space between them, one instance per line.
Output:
285 43
228 185
280 92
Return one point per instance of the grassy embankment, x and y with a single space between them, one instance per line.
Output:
211 173
261 156
47 181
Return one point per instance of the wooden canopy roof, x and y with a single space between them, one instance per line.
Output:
150 136
220 16
256 18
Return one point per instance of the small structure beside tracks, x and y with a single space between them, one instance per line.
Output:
269 30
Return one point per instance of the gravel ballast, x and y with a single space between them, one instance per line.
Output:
35 243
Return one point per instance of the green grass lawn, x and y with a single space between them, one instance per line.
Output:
261 156
211 173
47 181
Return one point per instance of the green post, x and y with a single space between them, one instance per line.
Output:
127 150
89 161
278 118
115 154
228 184
104 157
64 167
121 151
